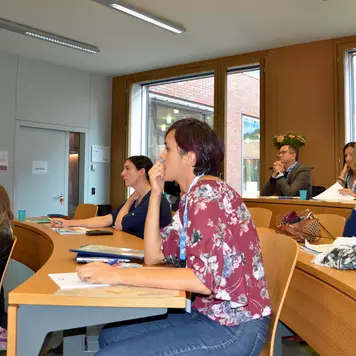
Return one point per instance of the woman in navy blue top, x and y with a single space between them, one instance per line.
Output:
131 215
350 226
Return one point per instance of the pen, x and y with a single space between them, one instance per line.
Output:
117 260
58 222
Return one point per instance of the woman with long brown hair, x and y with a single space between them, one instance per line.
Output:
6 241
347 175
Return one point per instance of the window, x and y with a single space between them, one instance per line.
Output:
156 106
350 96
251 155
243 130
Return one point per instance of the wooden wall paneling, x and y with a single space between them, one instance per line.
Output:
119 130
300 97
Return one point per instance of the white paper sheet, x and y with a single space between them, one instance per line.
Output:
317 248
4 160
338 243
72 281
332 194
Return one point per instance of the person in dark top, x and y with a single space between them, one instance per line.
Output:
131 215
288 176
350 225
6 241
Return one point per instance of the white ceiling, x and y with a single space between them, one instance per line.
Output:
215 28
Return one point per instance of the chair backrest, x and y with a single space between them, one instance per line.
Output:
85 211
261 216
317 189
335 224
279 253
8 261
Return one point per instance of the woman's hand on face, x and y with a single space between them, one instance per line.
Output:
156 174
98 272
58 222
344 171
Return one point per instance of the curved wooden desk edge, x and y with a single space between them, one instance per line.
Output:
34 246
45 251
344 281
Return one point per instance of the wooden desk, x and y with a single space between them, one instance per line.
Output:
37 307
278 206
321 306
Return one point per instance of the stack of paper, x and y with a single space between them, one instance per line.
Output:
332 194
315 249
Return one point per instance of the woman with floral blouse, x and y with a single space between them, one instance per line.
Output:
214 241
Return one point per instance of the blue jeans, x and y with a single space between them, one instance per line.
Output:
184 334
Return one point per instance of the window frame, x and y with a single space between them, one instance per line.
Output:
341 48
122 87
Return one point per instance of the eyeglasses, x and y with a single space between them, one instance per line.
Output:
281 153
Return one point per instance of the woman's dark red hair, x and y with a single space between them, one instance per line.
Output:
193 135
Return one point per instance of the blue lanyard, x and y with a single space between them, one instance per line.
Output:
182 236
290 169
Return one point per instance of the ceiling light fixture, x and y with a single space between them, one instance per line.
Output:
46 36
139 14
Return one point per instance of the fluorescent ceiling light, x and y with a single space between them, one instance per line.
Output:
130 10
46 36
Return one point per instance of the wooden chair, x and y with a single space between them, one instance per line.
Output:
279 253
261 216
4 269
333 223
85 211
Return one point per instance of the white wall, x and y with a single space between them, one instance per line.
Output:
42 92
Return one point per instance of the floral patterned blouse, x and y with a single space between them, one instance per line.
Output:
223 250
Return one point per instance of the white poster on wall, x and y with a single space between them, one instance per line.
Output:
4 160
39 167
100 154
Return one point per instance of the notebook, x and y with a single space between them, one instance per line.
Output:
72 281
109 251
84 258
40 220
70 230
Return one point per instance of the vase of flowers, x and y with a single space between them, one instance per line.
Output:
289 138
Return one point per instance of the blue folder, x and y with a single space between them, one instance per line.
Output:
109 251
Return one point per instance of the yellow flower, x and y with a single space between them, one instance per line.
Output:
291 136
280 139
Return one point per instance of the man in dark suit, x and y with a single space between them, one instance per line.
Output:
288 176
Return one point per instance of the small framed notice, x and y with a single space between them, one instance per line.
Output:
100 154
39 167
